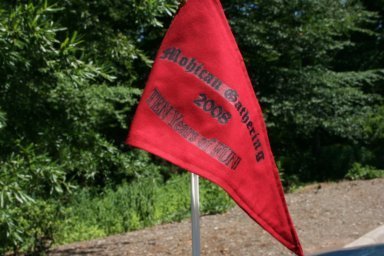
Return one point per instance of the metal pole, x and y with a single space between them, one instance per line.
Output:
195 205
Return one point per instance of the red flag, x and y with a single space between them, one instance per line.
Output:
199 111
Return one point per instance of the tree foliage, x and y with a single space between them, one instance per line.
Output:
317 105
65 95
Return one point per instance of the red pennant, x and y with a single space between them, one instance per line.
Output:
199 111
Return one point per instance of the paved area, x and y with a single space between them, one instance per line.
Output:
370 244
376 236
371 250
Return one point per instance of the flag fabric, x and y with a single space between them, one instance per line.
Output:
199 111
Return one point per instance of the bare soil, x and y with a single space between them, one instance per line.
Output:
326 216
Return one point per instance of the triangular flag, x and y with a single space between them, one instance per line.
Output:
199 111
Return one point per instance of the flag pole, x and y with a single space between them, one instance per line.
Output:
195 215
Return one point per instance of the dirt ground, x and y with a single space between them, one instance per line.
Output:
326 216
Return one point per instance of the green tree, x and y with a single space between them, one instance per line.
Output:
315 111
370 48
64 92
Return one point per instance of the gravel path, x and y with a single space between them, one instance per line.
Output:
326 216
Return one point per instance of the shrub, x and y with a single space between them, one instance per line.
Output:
136 205
213 199
30 189
358 172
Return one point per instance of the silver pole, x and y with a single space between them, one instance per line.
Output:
195 205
